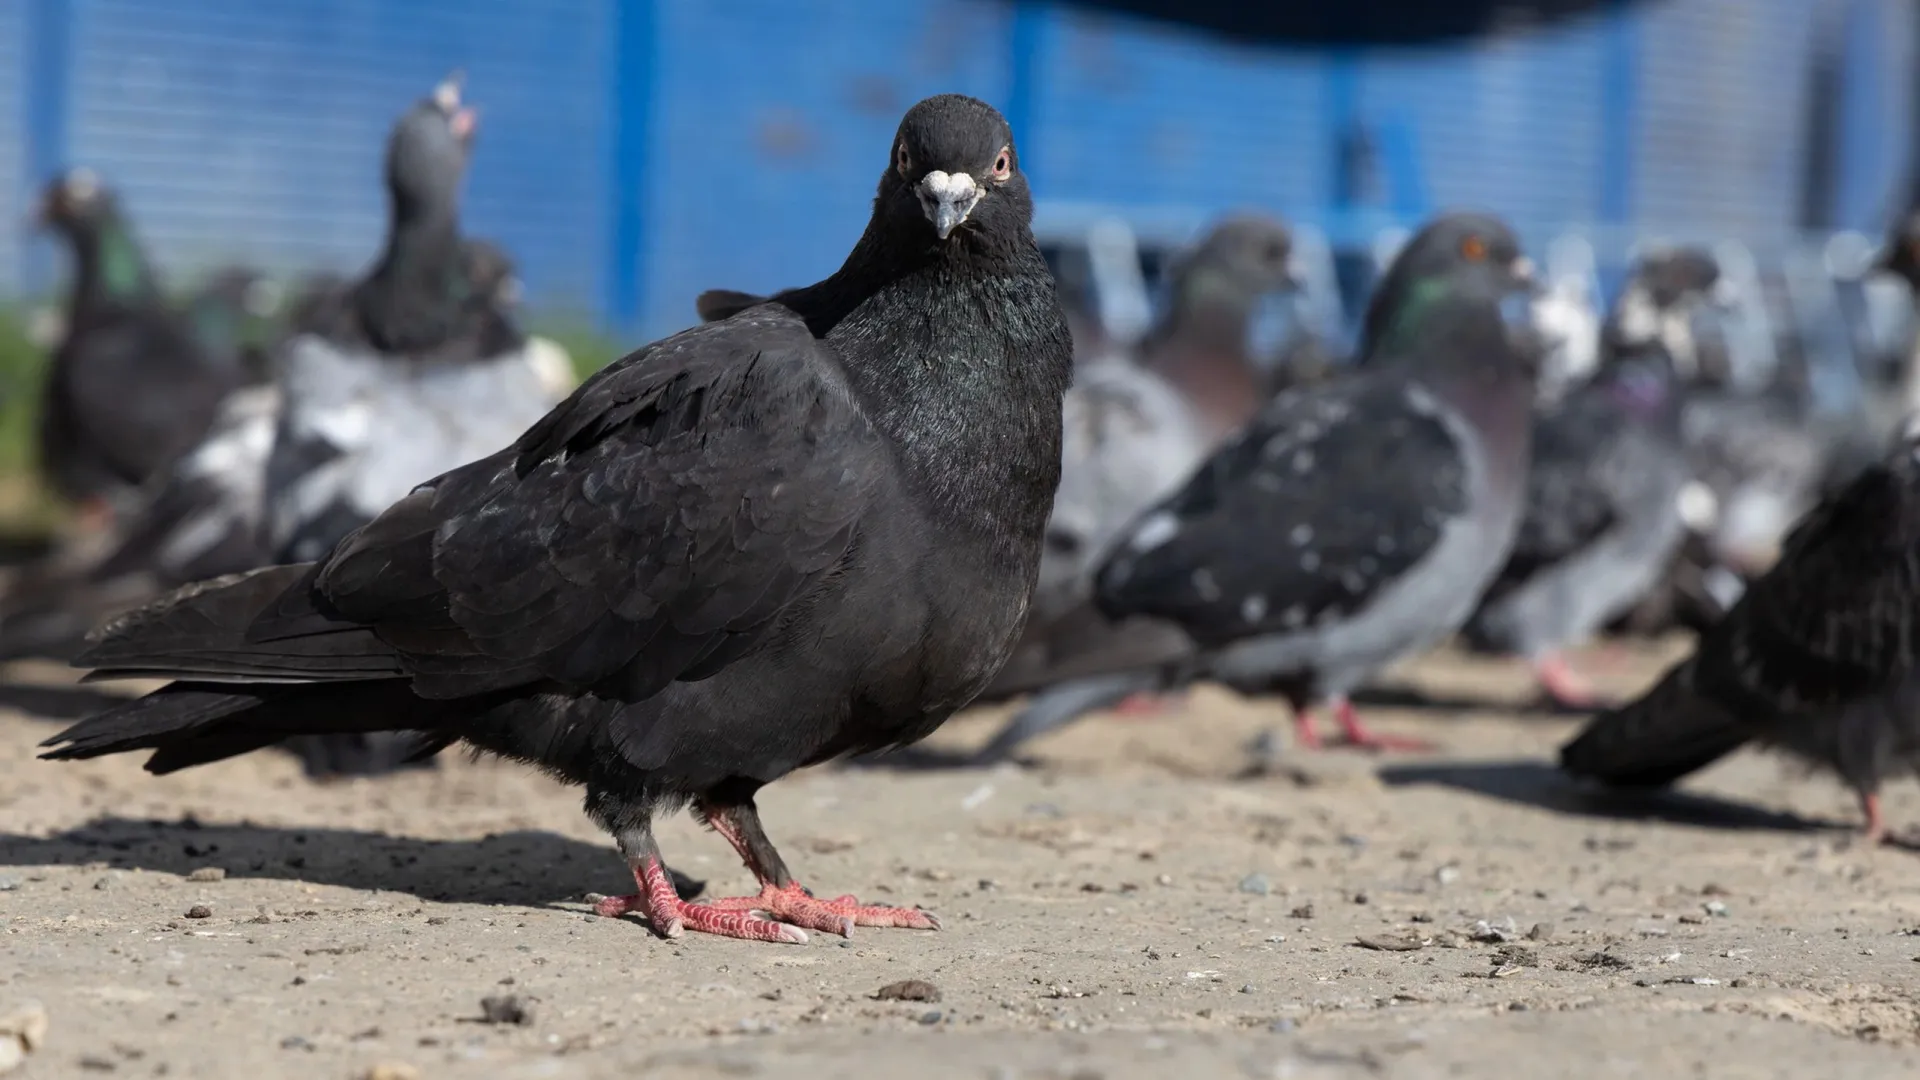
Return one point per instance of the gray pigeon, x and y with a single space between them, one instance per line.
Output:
1601 524
1134 430
1357 522
1818 657
1603 519
412 371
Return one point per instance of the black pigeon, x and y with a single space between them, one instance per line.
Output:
412 370
1818 657
130 388
1603 517
798 533
1357 522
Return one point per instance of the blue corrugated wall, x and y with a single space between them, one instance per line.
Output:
634 152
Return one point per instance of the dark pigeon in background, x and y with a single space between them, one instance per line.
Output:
1356 523
1818 657
799 533
130 388
204 517
409 372
1603 519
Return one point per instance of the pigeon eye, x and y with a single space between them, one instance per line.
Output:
1473 248
1003 165
902 160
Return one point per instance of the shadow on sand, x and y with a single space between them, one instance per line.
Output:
519 868
1539 784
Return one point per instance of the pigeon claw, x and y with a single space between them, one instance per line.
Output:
670 916
1565 686
1354 733
793 904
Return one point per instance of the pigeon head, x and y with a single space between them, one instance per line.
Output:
954 173
1472 252
1250 250
427 152
1681 277
1668 305
75 202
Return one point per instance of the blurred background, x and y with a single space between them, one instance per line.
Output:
633 153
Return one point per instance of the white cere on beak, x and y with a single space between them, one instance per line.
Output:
447 94
1725 293
82 184
947 199
1523 269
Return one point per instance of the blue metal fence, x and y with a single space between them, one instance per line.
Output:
634 152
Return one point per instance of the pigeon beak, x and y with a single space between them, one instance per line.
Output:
1522 270
463 122
947 199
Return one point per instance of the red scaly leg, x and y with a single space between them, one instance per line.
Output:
1304 736
1876 830
661 906
1564 685
784 898
1139 704
1358 736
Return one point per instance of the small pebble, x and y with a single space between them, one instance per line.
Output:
1716 908
1247 989
199 911
931 1016
1256 885
1447 875
1390 942
1540 932
908 990
295 1042
506 1009
104 883
8 882
1304 911
208 873
12 1054
1282 1026
392 1071
95 1063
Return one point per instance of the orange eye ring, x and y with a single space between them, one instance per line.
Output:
1474 249
1003 165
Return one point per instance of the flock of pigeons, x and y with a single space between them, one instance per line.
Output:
819 523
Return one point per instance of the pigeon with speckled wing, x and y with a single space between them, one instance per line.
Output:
1354 523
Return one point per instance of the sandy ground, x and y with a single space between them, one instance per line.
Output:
1136 901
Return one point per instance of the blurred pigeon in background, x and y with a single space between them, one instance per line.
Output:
130 387
1355 522
1818 658
409 372
1602 519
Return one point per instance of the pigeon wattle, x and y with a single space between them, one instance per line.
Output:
1355 522
790 535
1818 658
